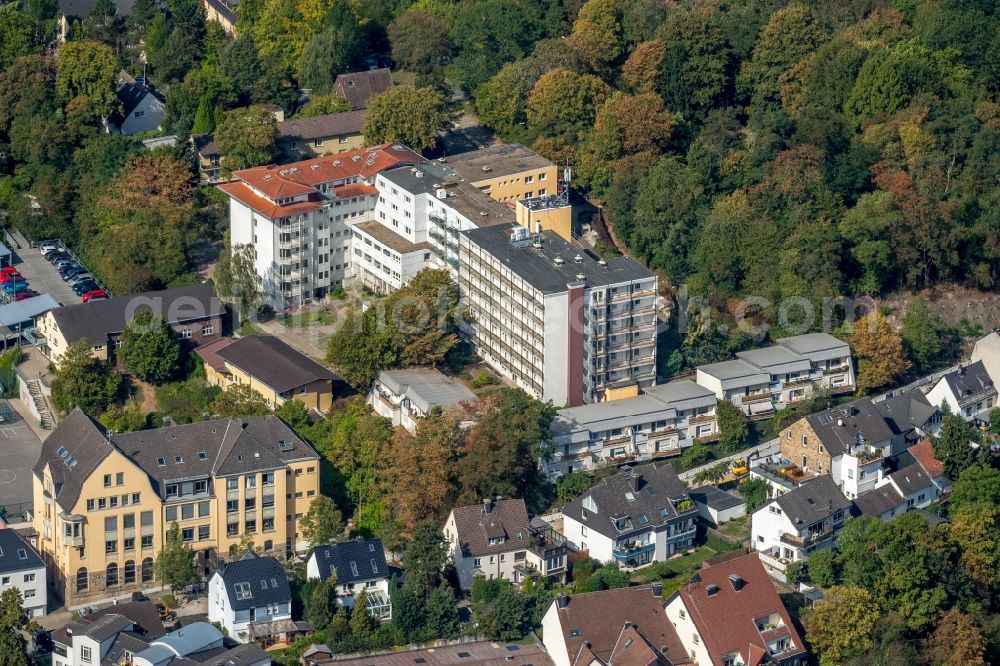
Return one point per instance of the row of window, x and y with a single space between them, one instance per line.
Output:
113 502
111 579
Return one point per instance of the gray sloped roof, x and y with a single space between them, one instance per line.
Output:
840 427
911 479
82 8
274 362
906 411
124 642
72 452
16 554
266 579
771 357
354 561
357 88
643 495
320 127
969 381
19 312
714 497
189 639
813 501
878 501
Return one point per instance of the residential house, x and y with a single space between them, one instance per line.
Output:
359 566
661 421
969 392
760 381
922 453
849 441
140 108
717 506
113 638
22 569
106 632
987 350
358 88
194 313
104 501
207 159
730 613
793 525
640 515
908 488
497 540
73 11
303 138
555 320
911 418
407 395
273 368
622 626
251 599
222 12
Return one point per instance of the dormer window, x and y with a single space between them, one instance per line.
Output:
495 540
589 504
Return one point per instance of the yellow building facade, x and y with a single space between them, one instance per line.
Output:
104 502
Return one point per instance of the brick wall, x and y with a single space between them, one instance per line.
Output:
811 456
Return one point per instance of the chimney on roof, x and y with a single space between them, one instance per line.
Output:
205 416
168 421
737 582
487 506
244 425
657 589
840 422
636 482
562 600
960 371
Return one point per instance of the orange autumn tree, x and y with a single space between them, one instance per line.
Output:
878 350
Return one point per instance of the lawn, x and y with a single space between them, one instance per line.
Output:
738 527
317 318
674 573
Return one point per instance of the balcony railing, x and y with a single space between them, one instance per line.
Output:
625 551
813 539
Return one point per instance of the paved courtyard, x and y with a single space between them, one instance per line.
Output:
19 450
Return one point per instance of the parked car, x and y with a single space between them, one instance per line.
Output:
85 286
25 295
13 275
14 287
95 295
71 271
79 277
49 247
53 257
68 266
8 269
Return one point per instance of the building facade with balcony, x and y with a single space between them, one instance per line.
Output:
761 381
660 422
969 392
497 539
359 566
252 600
406 395
638 516
793 525
555 320
104 501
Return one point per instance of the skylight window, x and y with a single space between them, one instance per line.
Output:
61 452
22 554
161 462
178 459
374 566
263 584
630 496
354 568
201 455
664 512
643 519
274 583
242 590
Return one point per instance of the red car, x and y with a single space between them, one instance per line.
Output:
95 295
9 272
25 295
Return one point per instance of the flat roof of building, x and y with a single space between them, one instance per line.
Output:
555 264
427 387
765 357
464 198
500 159
468 654
390 238
810 343
730 369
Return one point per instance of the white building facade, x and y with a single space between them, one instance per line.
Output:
21 568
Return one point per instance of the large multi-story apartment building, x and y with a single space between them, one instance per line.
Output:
104 501
660 422
760 381
560 323
382 214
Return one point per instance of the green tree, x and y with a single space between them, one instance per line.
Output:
294 413
922 332
321 604
976 483
419 41
568 486
563 103
734 427
955 641
695 68
204 118
789 35
488 34
841 626
321 105
240 62
128 418
16 35
323 521
149 349
755 493
174 564
441 611
695 455
85 75
245 545
508 618
598 33
239 400
246 137
406 114
328 52
823 568
424 559
236 277
362 624
713 474
953 447
13 620
608 577
84 381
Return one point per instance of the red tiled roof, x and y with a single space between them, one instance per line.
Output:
633 649
597 619
264 206
507 518
725 620
209 353
354 190
362 162
923 453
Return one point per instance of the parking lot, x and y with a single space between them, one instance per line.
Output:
19 449
43 276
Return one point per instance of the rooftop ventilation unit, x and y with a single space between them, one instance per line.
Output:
559 261
578 259
537 245
486 169
483 213
442 193
601 262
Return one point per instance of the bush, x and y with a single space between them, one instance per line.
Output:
568 486
486 591
169 601
581 570
186 401
821 568
483 378
608 577
699 454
